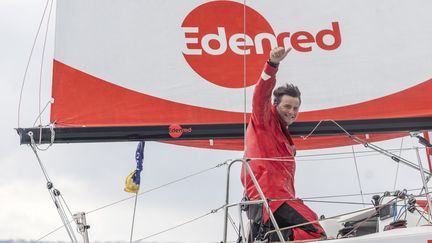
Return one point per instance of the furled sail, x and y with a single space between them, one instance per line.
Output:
184 72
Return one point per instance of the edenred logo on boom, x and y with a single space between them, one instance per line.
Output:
215 43
175 130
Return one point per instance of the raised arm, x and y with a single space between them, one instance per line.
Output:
261 102
278 54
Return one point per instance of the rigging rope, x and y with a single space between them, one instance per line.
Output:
32 145
133 217
67 207
51 232
179 225
397 168
371 153
342 195
352 195
368 153
139 194
337 202
160 186
51 126
42 63
356 152
357 172
422 216
51 101
313 130
233 225
370 145
28 62
55 195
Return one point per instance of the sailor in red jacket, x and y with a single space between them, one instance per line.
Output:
271 151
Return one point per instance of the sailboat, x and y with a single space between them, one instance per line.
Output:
183 74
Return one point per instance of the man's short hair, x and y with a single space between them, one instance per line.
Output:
288 89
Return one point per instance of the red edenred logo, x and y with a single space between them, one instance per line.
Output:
176 130
216 48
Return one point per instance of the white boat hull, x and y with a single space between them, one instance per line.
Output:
421 234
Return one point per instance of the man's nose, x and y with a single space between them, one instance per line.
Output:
292 112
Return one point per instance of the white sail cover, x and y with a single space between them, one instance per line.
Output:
160 62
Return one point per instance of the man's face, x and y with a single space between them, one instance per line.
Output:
288 109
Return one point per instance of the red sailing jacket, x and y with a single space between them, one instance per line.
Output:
267 138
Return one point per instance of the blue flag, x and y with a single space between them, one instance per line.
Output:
133 180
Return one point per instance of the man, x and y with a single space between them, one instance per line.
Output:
271 151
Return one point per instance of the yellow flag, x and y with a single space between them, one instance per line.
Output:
130 186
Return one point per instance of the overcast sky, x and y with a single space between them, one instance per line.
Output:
92 175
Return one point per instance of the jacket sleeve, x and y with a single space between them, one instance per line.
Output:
261 101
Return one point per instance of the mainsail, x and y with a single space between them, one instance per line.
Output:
184 72
187 77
